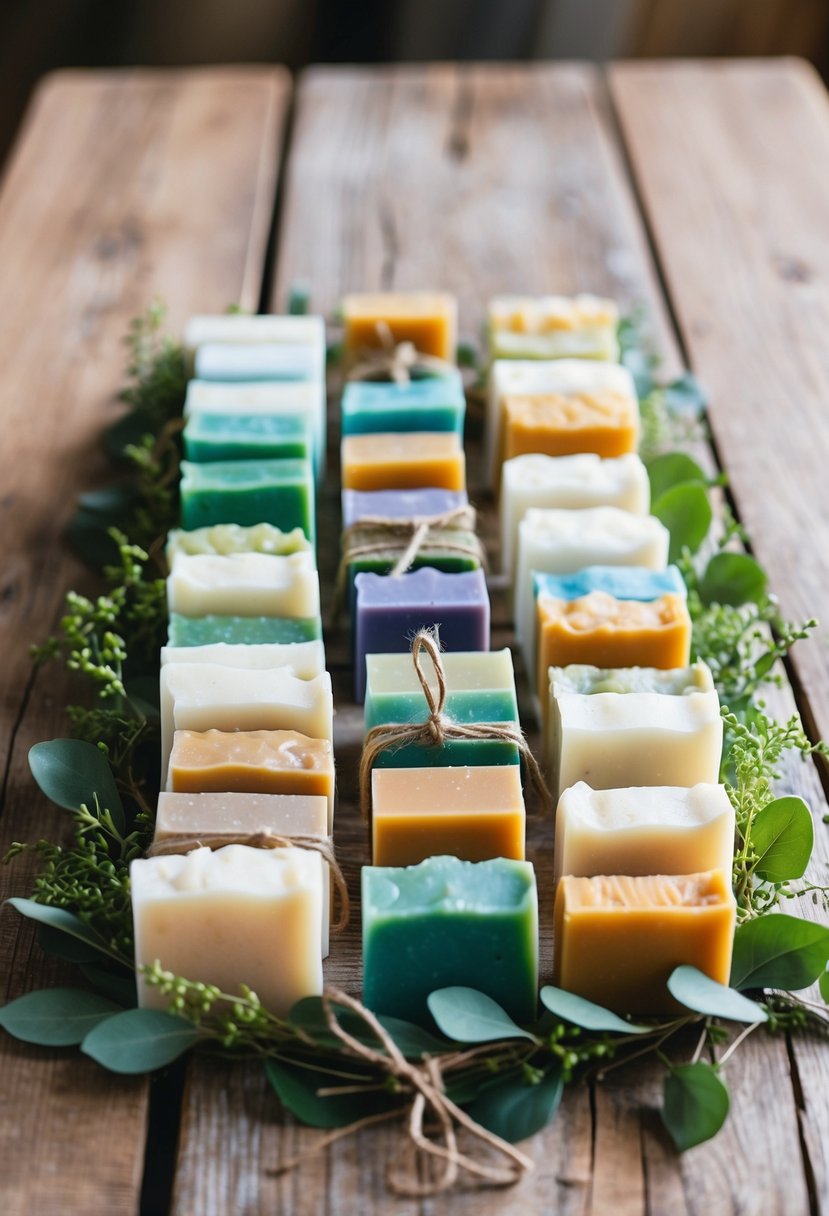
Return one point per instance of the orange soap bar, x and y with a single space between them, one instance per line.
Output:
564 424
471 813
617 939
605 632
428 319
407 460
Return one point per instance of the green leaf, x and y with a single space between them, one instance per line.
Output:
413 1041
733 578
55 1017
697 991
139 1040
823 984
685 395
297 1089
579 1012
514 1108
299 299
640 366
129 429
779 951
695 1104
64 922
672 469
469 1016
686 513
782 836
62 945
308 1015
71 772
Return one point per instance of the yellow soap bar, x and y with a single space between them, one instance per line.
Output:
471 813
617 939
428 319
403 461
563 424
606 632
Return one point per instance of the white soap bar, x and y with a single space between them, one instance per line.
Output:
636 831
641 738
242 328
539 377
571 482
204 696
304 659
244 584
251 361
235 916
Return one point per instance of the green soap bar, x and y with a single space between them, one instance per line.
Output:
241 630
210 437
435 403
448 922
279 492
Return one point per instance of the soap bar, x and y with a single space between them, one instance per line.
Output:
208 436
246 329
622 582
244 584
392 461
617 939
471 813
428 319
241 630
389 612
404 504
653 830
235 916
446 923
227 361
553 327
203 696
452 551
279 492
434 403
569 482
633 726
556 424
233 538
304 659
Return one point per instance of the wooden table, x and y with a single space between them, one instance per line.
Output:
699 191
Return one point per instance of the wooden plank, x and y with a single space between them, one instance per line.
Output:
123 185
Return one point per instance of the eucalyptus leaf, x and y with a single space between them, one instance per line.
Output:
640 366
469 1016
779 951
60 919
63 945
685 395
72 771
823 984
733 578
686 513
55 1017
579 1012
412 1040
139 1040
514 1108
672 469
695 1104
697 991
298 1090
783 836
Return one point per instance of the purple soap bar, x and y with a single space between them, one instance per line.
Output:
389 611
399 504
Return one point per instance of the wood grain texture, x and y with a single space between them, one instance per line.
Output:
122 186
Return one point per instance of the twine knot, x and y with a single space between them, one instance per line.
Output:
396 361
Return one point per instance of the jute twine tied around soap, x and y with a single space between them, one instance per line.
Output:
264 839
438 728
395 360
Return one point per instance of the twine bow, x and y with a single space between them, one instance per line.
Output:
438 728
396 360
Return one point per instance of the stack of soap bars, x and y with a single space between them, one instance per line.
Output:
246 704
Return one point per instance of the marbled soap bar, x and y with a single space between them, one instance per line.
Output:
233 538
244 584
404 504
428 319
235 916
241 630
553 327
617 939
653 830
447 922
471 813
304 659
208 437
247 492
395 460
434 403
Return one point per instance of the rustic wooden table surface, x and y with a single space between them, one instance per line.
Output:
697 191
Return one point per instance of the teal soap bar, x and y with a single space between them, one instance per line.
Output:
247 492
622 582
241 630
435 403
209 437
448 922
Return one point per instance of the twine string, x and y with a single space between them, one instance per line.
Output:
396 361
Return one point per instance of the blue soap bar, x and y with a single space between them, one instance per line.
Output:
209 436
399 504
436 403
622 582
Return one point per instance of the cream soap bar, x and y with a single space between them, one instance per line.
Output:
656 829
235 916
553 327
304 659
225 539
244 584
243 328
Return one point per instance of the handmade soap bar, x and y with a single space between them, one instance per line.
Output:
304 659
428 319
445 923
617 939
228 361
244 584
389 612
435 403
369 549
569 482
235 916
209 437
393 461
203 696
606 423
241 630
633 726
471 813
279 492
653 830
244 329
233 538
553 327
622 582
404 504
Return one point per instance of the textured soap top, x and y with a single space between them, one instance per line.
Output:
446 884
186 631
543 314
584 679
225 539
466 671
241 328
242 474
599 610
607 528
519 377
265 749
600 407
623 582
614 892
303 659
425 586
585 472
235 867
664 806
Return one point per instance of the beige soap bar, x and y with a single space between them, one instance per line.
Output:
244 584
304 659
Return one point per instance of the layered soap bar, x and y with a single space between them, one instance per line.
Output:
305 398
358 505
303 659
447 922
244 584
235 916
208 437
427 319
241 630
553 327
617 939
471 813
247 492
434 403
393 460
233 538
242 329
640 831
570 483
633 726
450 550
227 361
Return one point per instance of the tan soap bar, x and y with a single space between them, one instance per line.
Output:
304 659
244 584
617 939
555 424
427 319
405 460
474 813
